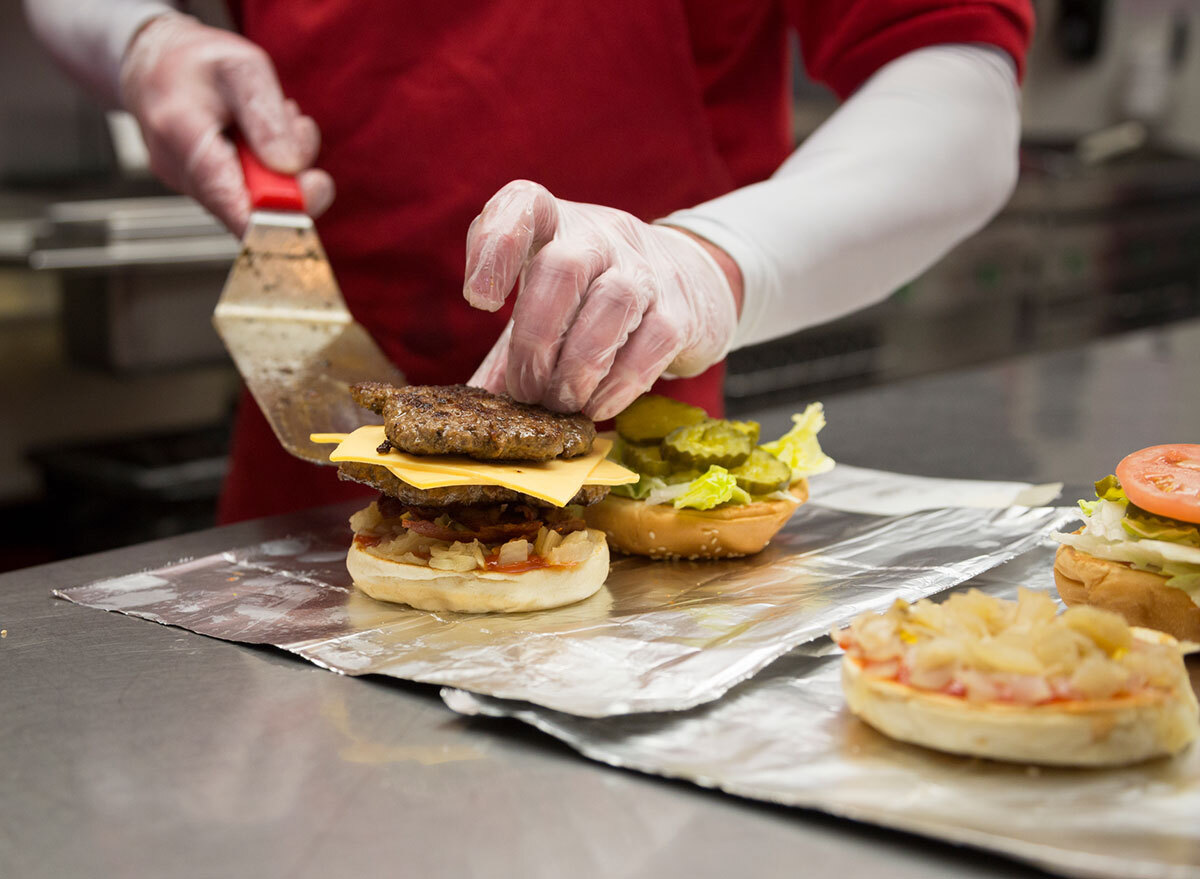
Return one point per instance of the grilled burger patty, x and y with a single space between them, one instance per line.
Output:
382 479
460 420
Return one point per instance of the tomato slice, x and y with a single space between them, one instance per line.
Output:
1164 480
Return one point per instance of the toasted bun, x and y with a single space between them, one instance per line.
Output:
1143 598
1106 732
662 532
477 591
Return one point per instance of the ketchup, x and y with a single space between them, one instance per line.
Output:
532 563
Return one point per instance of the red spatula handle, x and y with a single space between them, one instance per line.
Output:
269 190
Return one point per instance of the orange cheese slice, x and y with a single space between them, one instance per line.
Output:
554 481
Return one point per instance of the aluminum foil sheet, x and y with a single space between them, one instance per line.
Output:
785 737
660 636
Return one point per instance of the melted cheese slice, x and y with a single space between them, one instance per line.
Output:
554 481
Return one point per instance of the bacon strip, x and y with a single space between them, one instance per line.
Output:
489 524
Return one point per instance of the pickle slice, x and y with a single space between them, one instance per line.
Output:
617 452
750 428
762 473
650 417
703 445
646 459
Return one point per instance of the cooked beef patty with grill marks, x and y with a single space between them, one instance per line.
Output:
383 480
461 420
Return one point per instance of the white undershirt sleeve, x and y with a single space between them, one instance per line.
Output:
89 37
922 156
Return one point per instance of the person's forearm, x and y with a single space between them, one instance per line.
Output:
89 37
923 155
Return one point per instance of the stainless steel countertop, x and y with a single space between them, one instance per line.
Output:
131 749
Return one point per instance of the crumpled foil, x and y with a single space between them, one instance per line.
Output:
660 636
786 737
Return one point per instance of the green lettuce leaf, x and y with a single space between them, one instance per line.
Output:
1185 577
717 486
638 490
798 448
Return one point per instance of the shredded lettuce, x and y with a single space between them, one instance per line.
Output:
651 489
780 496
1180 564
1119 531
1179 577
716 486
798 448
637 490
666 492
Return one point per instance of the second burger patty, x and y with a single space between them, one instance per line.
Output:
382 479
461 420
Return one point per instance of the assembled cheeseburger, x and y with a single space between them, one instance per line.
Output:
1138 552
481 500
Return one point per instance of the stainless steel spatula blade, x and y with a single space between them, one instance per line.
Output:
284 322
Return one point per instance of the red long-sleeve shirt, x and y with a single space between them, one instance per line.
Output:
427 108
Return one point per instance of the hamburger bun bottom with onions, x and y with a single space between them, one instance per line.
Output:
1143 598
477 591
660 531
1108 732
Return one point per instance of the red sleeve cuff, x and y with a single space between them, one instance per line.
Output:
850 50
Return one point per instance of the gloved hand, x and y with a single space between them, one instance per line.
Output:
607 302
187 83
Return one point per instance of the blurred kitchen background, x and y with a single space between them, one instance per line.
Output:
117 394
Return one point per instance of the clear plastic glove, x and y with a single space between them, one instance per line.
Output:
607 303
188 83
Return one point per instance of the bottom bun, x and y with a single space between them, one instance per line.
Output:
662 532
1142 597
478 591
1107 732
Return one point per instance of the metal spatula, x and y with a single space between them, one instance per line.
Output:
284 322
